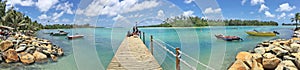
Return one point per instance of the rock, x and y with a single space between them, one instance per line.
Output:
279 50
270 63
265 44
60 52
30 50
4 45
269 55
40 57
239 65
295 47
244 56
21 49
54 58
260 50
257 57
10 56
286 65
26 58
256 65
286 57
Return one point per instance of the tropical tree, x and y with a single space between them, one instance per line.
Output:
296 19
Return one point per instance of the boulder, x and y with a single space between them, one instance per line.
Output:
26 58
60 52
257 57
260 50
243 56
10 56
279 50
295 47
4 45
21 49
40 57
297 61
256 65
286 65
54 58
269 55
239 65
270 63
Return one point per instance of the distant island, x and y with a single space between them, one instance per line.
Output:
183 21
67 26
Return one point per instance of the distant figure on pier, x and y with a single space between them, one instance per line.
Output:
135 30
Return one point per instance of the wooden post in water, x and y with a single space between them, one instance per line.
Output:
177 59
151 44
141 36
144 37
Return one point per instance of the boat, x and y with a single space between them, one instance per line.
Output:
75 36
256 33
228 38
60 33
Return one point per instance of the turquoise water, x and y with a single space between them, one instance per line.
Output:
97 48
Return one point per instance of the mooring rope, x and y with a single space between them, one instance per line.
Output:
166 44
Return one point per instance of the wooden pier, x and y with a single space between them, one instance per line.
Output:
133 55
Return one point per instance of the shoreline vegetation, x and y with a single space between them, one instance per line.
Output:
183 21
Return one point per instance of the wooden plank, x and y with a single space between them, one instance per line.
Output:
133 55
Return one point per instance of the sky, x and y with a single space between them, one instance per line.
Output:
119 13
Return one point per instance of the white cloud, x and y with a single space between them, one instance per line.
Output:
45 5
263 7
291 15
251 12
285 7
254 2
268 14
65 20
160 14
118 17
212 11
114 7
66 7
57 15
43 16
282 16
21 2
188 1
243 2
188 13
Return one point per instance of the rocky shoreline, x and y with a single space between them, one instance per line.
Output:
277 54
19 48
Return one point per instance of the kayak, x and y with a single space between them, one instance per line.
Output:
75 36
255 33
228 38
59 34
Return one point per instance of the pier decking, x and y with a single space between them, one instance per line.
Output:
133 55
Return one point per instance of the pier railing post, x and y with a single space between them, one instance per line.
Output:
151 44
144 37
177 59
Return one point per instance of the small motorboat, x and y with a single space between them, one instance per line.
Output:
256 33
60 33
75 36
228 38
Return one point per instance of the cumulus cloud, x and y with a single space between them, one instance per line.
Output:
188 13
285 7
45 5
263 7
268 14
188 1
57 15
282 16
115 7
118 17
43 16
66 7
20 2
243 2
255 2
160 14
212 11
291 15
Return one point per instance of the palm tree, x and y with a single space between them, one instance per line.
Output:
296 19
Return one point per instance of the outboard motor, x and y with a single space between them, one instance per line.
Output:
276 32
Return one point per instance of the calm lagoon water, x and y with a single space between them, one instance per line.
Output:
97 48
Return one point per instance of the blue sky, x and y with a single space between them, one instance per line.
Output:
118 13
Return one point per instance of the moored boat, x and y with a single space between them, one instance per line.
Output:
256 33
228 38
60 33
75 36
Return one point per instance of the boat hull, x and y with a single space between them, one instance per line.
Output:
75 37
253 33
